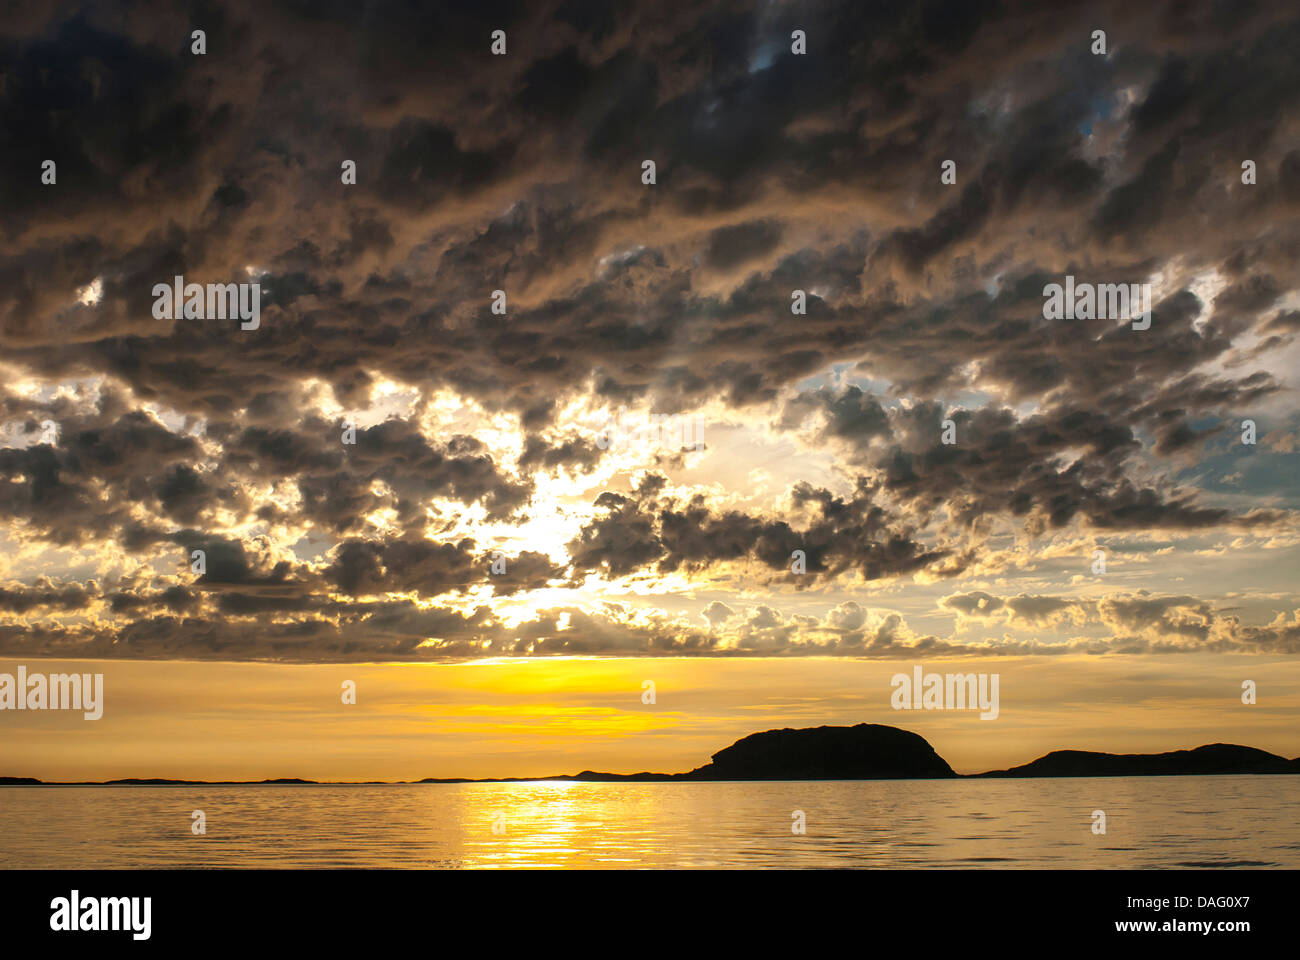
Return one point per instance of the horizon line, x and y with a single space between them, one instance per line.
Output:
598 776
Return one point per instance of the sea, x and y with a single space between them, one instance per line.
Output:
1149 822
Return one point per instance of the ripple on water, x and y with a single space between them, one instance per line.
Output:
1151 822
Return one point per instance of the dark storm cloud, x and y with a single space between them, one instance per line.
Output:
575 455
84 487
235 563
92 482
730 247
429 568
65 597
436 154
1050 468
522 173
840 535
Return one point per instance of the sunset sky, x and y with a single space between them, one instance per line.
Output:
479 434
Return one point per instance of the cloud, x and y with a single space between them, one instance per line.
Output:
775 173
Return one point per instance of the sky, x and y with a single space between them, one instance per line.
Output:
525 424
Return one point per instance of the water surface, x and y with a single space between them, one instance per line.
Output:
1167 822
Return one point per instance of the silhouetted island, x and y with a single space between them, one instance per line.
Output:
1215 759
867 751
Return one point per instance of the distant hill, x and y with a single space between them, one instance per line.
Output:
867 751
1215 759
154 782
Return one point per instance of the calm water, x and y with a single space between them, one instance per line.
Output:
1151 822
